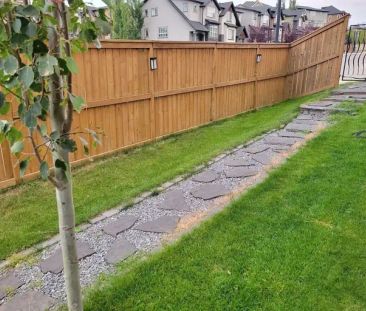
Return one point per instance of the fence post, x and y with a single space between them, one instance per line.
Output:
152 94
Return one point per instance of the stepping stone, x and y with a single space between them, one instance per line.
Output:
9 283
286 141
239 162
305 117
291 134
310 122
29 301
256 148
296 127
209 191
264 158
322 104
163 224
121 224
54 263
280 148
206 176
120 250
175 200
240 172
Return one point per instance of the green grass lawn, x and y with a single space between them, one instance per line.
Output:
28 212
295 242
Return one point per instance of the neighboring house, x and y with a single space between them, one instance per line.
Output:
181 20
229 23
268 13
294 18
314 17
333 13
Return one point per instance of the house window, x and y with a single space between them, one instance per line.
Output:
195 8
185 6
163 32
230 34
210 12
154 11
146 13
213 31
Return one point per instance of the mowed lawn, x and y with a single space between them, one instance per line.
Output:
295 242
28 212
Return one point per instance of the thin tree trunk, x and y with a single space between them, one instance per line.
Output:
64 195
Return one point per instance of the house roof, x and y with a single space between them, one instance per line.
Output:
309 8
206 2
332 10
225 7
262 7
242 32
241 8
195 25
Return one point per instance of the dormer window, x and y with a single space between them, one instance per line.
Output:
154 12
229 17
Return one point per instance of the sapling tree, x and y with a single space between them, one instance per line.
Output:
37 43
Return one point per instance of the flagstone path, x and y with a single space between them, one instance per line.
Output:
120 233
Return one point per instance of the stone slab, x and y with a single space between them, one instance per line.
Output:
121 224
120 250
54 263
296 127
239 162
256 148
310 122
322 104
241 172
264 158
285 141
285 133
305 117
341 98
175 200
9 283
209 191
206 176
163 224
29 301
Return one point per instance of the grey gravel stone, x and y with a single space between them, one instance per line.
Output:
239 162
256 148
54 263
175 200
121 224
120 250
206 176
209 191
163 224
29 301
9 283
240 172
287 141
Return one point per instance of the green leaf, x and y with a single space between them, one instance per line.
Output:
68 144
45 65
26 76
29 119
71 64
23 166
28 11
77 102
17 147
42 129
43 168
13 135
11 65
17 25
60 164
31 30
4 108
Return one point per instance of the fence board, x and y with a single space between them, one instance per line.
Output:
195 83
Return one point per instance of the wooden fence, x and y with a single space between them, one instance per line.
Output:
194 84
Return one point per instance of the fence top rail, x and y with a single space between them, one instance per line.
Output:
320 30
126 44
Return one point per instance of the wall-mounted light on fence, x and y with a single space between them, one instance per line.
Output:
153 63
259 58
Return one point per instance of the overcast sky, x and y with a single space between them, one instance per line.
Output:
357 8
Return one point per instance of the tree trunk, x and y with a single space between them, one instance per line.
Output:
66 216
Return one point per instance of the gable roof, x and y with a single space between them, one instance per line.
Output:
332 10
241 8
225 7
206 2
195 25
